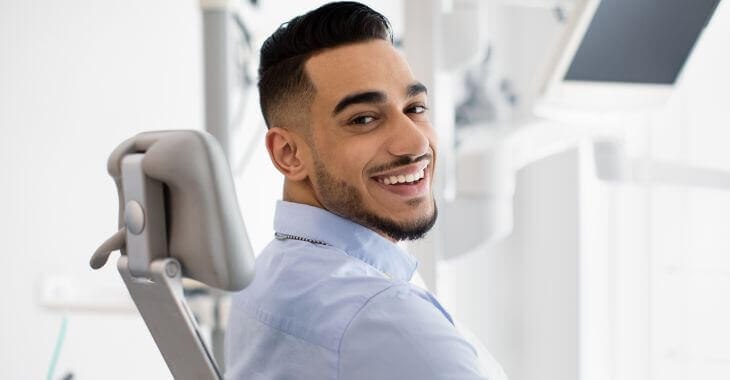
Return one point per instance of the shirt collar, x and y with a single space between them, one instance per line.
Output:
317 224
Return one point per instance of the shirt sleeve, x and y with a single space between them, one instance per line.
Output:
400 334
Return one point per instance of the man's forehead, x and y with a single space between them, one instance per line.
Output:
359 67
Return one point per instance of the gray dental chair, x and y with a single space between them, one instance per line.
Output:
178 217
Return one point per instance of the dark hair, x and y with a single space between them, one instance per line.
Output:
282 78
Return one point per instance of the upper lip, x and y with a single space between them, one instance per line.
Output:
403 170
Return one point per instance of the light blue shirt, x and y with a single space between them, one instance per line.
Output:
332 300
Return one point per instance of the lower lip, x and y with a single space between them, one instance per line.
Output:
406 190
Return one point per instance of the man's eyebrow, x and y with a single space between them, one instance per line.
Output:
360 97
415 89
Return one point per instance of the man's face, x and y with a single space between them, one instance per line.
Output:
373 146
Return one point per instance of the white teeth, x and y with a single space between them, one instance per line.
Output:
407 178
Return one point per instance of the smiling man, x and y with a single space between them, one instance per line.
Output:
349 130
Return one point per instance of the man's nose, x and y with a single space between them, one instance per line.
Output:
409 138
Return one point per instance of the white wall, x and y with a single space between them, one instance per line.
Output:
76 78
690 265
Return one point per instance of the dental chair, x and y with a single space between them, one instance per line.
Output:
178 217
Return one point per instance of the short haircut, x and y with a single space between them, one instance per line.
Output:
283 82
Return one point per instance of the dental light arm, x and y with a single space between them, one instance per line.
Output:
614 164
178 216
488 162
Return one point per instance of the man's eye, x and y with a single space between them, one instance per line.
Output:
362 120
418 109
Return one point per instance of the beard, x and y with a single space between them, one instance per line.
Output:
343 199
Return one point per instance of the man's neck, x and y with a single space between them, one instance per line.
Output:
300 192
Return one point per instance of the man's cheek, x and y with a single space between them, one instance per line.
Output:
353 160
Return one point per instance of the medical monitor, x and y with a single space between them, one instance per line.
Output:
626 54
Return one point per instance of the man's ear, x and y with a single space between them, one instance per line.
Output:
286 151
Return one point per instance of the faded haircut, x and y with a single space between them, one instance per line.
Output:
285 89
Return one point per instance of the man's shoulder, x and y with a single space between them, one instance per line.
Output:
403 332
310 291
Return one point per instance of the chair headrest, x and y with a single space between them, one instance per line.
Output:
205 231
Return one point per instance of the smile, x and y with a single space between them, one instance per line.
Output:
402 178
407 181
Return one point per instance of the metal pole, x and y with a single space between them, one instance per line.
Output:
218 72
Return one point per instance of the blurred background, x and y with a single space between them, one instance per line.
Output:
584 187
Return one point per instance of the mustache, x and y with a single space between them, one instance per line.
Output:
401 161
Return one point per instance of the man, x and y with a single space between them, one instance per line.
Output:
349 130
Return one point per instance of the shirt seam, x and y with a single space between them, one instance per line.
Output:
347 327
254 311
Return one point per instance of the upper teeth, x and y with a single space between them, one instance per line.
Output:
403 178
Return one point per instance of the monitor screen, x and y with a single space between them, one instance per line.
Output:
639 41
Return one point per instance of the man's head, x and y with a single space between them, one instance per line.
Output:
347 120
